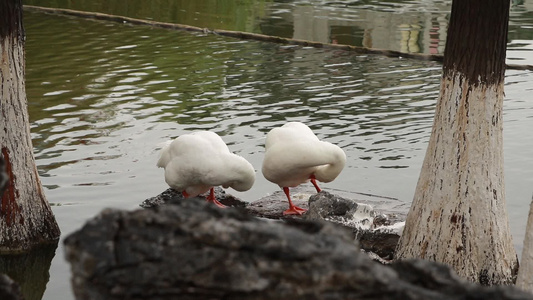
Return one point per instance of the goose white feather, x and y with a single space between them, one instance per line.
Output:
196 162
294 155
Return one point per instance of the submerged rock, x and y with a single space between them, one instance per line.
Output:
346 212
377 233
194 250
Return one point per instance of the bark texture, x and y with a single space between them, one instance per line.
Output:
458 215
476 40
525 275
25 216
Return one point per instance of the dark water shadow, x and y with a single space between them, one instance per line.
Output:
30 270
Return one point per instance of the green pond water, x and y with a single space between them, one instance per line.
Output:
103 96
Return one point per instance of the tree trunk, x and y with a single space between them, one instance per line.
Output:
525 274
458 216
25 216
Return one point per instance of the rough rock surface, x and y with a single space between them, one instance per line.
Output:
171 194
273 205
375 231
9 289
194 250
327 206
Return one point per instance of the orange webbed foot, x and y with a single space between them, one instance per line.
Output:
295 210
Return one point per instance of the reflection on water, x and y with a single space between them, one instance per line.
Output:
417 26
102 96
30 270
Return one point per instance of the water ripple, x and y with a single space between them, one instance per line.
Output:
102 106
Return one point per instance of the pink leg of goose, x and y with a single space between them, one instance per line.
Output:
211 198
313 181
293 209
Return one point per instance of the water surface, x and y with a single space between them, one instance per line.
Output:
102 97
417 26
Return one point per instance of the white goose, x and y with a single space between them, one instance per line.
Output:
294 155
197 162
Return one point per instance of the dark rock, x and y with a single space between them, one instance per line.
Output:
194 250
381 243
375 232
9 289
347 212
442 280
353 210
161 199
167 195
273 205
382 220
